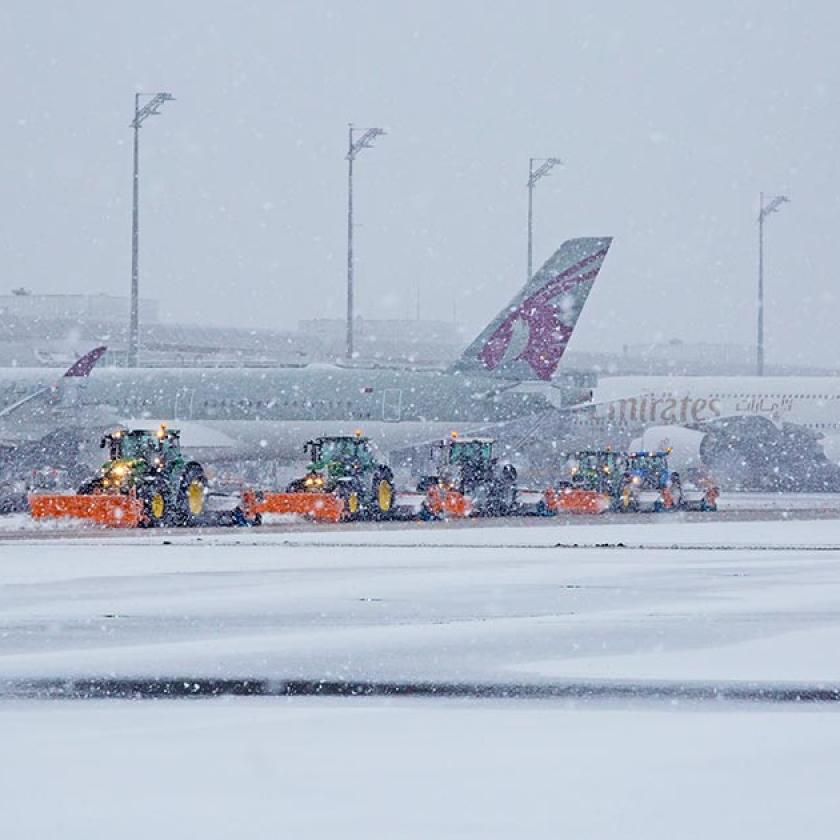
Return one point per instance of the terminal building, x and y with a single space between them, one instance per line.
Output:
54 330
30 309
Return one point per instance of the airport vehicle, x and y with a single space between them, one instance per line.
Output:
346 466
597 469
592 485
700 493
647 484
468 480
145 481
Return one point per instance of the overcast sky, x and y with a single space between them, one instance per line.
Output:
671 117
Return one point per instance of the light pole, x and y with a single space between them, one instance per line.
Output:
150 109
353 149
772 206
546 165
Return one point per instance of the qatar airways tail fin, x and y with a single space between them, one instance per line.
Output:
85 364
528 337
80 369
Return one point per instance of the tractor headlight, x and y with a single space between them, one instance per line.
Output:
120 471
636 480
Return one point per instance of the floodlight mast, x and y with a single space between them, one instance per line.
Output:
150 109
368 135
534 175
773 204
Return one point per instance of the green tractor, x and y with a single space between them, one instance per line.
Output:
151 464
599 470
347 466
469 467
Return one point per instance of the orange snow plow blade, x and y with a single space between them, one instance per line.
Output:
577 501
448 503
322 507
113 511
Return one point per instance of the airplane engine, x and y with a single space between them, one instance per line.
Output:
685 445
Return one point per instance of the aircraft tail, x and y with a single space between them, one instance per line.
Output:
81 368
527 339
84 365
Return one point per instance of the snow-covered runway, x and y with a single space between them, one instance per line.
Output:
414 769
659 600
656 602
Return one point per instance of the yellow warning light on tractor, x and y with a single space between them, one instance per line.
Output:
358 433
161 433
453 435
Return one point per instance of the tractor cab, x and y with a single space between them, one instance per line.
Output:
142 444
648 470
139 451
341 455
470 451
598 470
463 461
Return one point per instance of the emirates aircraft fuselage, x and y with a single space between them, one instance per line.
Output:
812 402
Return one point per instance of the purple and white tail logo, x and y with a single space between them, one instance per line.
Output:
538 329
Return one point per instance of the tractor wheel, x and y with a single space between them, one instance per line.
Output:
499 499
156 505
382 502
192 491
507 495
351 495
627 502
676 491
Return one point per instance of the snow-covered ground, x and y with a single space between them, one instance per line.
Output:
779 501
414 769
435 604
640 602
